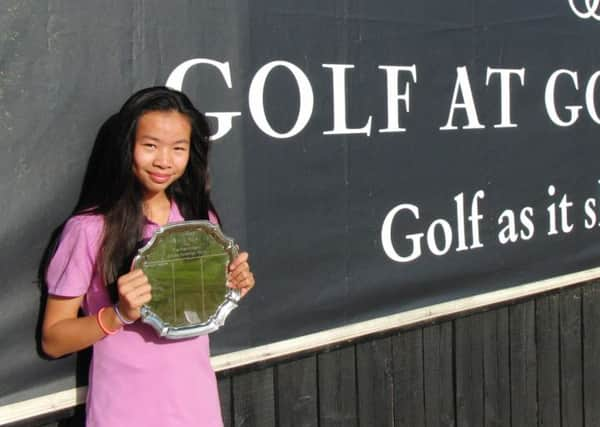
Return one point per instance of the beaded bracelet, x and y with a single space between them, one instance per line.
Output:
122 318
101 324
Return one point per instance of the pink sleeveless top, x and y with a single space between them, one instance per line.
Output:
136 378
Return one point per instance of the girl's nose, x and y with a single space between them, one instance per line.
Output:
162 159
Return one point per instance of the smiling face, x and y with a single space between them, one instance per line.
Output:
161 150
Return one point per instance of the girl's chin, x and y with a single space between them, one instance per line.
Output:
153 190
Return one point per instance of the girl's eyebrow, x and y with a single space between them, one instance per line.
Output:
153 138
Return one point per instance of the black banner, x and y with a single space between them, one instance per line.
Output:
371 156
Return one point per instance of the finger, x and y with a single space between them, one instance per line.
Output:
245 290
142 290
240 259
244 281
132 274
134 283
145 298
242 269
140 281
240 277
133 296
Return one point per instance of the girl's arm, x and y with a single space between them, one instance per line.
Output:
63 332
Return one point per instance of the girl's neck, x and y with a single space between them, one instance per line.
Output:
156 208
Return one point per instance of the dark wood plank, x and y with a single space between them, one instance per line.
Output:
469 371
591 354
375 383
548 357
297 393
523 366
496 368
224 384
337 388
571 390
438 375
407 365
254 399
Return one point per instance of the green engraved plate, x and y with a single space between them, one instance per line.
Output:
186 264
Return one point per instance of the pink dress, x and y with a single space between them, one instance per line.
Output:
136 378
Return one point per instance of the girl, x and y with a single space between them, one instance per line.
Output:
148 168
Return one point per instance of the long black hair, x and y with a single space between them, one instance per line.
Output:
111 189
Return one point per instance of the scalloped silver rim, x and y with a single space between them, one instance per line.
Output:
230 302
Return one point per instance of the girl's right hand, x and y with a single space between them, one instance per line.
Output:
134 291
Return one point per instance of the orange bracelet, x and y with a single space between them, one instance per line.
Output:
102 326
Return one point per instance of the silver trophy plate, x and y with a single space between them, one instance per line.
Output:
186 264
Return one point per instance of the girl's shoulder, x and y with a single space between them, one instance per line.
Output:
88 225
72 265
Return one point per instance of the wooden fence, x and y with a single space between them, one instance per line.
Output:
533 362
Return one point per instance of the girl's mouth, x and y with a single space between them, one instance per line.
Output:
159 178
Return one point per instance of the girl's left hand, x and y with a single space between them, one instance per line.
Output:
240 277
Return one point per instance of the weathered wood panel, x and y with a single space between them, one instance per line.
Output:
469 371
571 381
254 399
591 354
438 369
375 383
337 388
548 359
407 363
297 393
523 366
226 400
496 369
